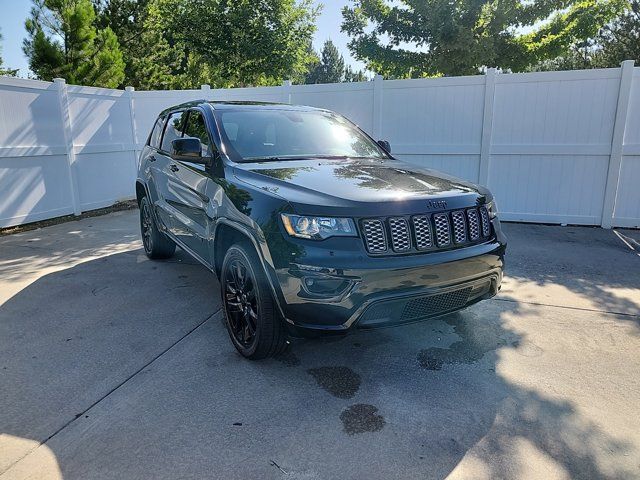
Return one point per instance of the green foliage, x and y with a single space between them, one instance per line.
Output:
620 40
351 75
232 43
580 22
460 37
330 68
5 71
574 59
615 42
64 42
144 68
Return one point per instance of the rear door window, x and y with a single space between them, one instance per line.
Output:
173 130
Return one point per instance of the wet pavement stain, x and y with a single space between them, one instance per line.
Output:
361 418
477 339
288 358
428 361
341 382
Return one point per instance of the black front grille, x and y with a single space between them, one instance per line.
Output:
435 304
426 232
401 310
443 229
459 227
474 227
423 232
400 237
486 224
374 235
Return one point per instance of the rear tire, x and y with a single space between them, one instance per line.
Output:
251 317
156 244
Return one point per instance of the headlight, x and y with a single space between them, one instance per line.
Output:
318 228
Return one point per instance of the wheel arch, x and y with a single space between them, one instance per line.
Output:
228 233
141 191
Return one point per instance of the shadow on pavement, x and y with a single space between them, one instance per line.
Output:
139 342
591 264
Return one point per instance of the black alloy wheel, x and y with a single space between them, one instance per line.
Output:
146 227
251 318
241 302
156 243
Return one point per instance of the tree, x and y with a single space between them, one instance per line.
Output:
127 19
576 58
330 68
620 40
5 71
64 42
616 42
351 75
232 43
151 62
460 37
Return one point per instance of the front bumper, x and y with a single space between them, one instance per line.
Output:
337 290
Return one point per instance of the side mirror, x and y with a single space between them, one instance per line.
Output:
188 149
386 146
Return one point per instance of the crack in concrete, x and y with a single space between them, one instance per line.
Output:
609 312
114 389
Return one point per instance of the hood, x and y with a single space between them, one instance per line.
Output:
370 185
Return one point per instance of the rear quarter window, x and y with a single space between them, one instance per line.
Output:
156 133
173 130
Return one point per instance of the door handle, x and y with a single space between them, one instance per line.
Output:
174 168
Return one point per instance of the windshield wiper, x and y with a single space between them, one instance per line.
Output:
301 157
272 159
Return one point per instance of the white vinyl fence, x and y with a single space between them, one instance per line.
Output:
556 147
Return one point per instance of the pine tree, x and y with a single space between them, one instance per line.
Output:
330 68
149 60
351 75
64 42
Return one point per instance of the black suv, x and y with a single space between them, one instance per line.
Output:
309 224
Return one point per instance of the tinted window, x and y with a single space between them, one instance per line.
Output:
173 130
263 134
196 128
156 133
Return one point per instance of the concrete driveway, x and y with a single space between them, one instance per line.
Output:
113 366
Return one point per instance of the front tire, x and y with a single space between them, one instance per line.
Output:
251 318
156 244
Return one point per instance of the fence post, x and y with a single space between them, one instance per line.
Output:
132 116
377 107
206 91
487 126
129 92
65 118
617 139
286 91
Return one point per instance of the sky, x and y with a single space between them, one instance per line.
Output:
14 13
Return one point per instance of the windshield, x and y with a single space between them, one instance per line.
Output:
254 135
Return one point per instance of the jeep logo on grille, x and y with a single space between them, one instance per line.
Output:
437 204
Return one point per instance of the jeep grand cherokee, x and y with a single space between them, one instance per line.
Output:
309 224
